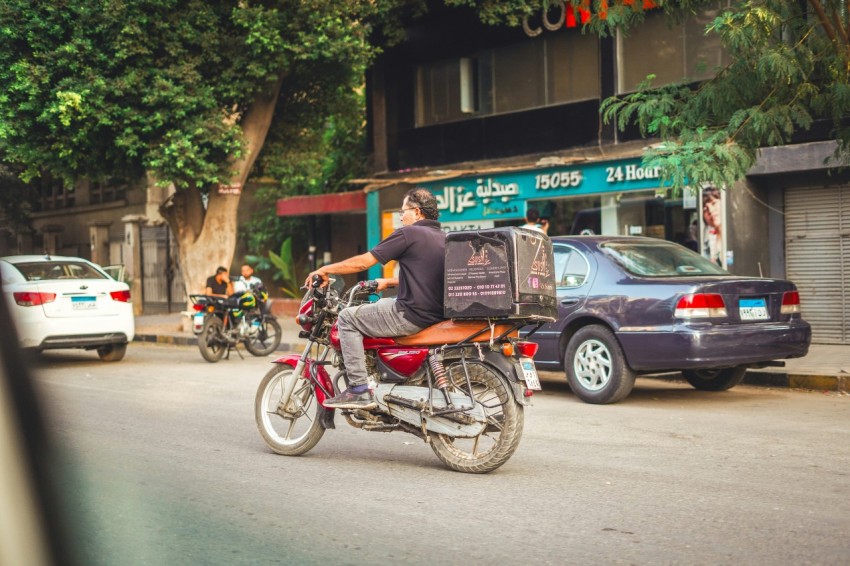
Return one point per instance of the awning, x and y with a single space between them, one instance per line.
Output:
334 203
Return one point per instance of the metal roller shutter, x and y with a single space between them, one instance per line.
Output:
817 255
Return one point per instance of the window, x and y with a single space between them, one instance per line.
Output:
112 190
556 69
38 271
52 194
571 267
660 260
671 54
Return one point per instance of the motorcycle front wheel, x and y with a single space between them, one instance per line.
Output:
294 429
500 437
211 341
267 338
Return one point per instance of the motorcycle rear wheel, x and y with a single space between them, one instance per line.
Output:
291 430
267 339
499 439
211 342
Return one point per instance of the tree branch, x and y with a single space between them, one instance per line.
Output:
840 25
824 21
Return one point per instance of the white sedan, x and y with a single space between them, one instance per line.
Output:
67 302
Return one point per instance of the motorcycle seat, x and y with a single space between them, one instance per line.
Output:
450 332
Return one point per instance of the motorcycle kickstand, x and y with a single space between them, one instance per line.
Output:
234 348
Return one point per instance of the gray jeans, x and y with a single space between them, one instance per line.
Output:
380 320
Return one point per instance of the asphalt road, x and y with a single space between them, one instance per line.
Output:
166 467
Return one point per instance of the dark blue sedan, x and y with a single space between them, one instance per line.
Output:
631 305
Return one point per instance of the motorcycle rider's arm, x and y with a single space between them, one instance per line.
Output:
384 283
354 264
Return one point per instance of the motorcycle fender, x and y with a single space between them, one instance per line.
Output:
509 367
311 368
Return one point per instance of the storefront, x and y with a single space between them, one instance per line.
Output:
611 198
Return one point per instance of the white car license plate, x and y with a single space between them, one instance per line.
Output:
753 309
83 303
529 372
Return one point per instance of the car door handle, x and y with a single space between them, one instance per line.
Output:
569 302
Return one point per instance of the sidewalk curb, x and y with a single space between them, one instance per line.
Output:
817 382
193 341
840 383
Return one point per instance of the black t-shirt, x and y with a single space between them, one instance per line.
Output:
217 288
420 250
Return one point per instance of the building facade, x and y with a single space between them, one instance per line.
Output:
496 121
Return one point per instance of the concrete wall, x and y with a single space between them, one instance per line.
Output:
747 222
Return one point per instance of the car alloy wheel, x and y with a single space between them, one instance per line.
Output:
596 367
592 365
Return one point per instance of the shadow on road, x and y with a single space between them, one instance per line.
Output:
650 390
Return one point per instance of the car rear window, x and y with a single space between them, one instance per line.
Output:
662 259
46 271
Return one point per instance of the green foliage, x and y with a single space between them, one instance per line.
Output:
286 269
313 147
789 71
102 87
784 75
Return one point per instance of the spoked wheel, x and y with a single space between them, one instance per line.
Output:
292 430
500 437
267 338
211 342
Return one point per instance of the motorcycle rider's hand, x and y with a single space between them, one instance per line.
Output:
310 281
384 283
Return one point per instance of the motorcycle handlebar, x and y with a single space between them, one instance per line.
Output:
370 285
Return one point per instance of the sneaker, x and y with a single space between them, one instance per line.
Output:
349 400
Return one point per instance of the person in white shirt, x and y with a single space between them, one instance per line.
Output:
534 222
247 281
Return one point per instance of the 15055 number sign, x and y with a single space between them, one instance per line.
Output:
558 180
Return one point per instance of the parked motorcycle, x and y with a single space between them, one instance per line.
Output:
461 386
242 317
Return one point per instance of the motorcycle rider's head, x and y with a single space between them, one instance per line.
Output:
418 204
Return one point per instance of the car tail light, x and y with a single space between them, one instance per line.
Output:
790 302
527 349
33 299
122 296
701 305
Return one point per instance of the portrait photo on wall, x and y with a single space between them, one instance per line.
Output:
713 241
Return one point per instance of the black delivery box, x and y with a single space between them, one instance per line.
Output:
499 273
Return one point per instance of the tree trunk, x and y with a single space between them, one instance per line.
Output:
206 239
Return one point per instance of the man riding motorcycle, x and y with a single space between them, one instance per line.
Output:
419 247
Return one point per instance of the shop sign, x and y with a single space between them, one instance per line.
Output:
502 196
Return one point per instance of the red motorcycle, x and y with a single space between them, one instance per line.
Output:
461 386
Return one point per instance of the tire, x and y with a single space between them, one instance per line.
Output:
288 433
267 339
499 439
211 343
715 379
596 367
112 352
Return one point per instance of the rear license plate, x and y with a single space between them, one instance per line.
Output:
198 323
83 303
529 373
753 309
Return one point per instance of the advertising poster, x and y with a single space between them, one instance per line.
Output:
713 223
